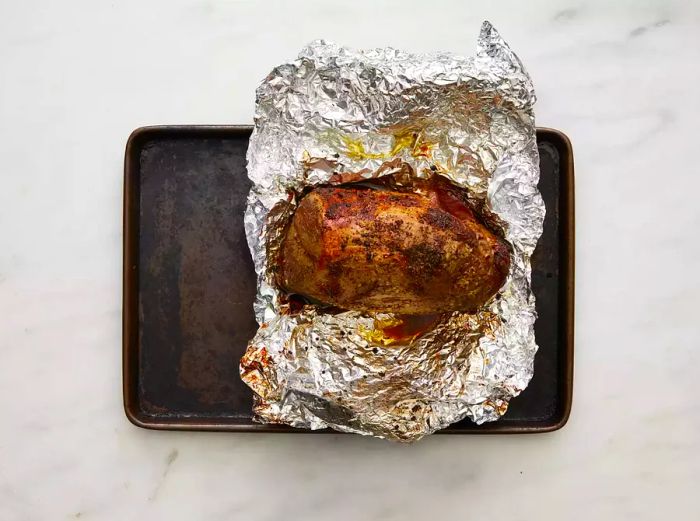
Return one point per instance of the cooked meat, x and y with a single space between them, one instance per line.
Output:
392 251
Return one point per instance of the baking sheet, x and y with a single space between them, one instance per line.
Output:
189 285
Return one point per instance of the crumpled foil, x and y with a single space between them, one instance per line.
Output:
336 115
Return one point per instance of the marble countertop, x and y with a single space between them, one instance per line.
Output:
76 77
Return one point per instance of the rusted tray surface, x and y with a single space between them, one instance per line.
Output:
189 285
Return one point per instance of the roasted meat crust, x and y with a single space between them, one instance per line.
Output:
385 250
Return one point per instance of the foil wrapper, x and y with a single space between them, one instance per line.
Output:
336 115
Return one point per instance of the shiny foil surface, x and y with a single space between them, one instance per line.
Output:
336 115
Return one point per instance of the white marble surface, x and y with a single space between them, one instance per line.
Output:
76 77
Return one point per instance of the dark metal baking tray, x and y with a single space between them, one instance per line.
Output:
189 285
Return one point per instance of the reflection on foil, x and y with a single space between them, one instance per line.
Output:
337 115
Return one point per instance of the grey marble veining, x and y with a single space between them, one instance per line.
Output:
620 78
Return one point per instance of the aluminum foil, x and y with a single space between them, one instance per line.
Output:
336 115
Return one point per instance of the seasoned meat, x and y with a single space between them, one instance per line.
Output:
392 251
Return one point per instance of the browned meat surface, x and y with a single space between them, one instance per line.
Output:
392 251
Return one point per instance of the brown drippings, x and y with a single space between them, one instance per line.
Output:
411 326
399 329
